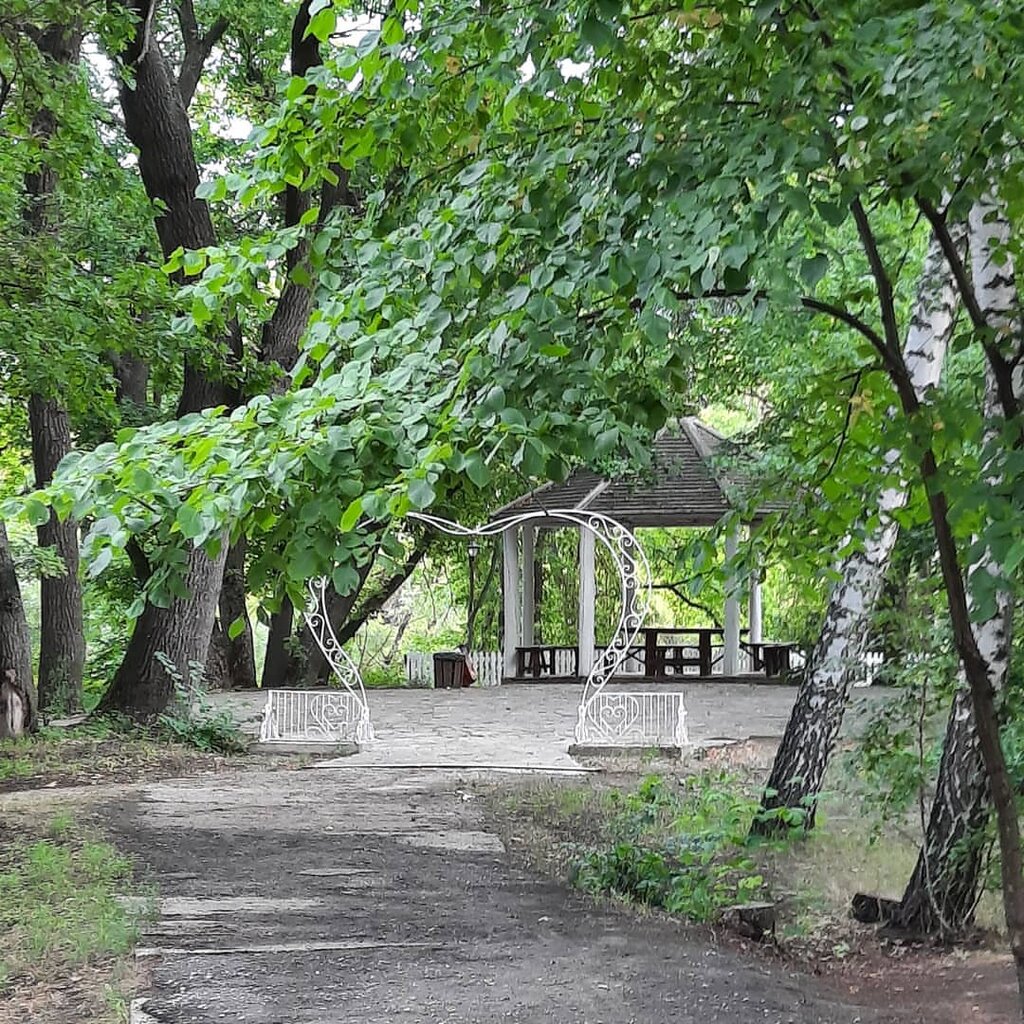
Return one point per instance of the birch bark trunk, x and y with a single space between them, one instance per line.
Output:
942 893
813 727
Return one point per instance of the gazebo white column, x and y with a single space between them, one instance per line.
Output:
731 654
529 543
756 627
510 600
588 592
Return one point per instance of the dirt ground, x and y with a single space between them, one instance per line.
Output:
330 897
379 891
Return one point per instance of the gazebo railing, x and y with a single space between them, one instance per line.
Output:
419 667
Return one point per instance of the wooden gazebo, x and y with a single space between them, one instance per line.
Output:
684 487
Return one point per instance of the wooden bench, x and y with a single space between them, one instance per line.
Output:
774 659
539 660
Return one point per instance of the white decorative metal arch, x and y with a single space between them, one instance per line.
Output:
623 717
620 718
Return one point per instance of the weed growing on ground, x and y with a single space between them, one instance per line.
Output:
60 906
14 767
681 846
192 720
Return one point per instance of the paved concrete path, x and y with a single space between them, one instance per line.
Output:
531 725
306 897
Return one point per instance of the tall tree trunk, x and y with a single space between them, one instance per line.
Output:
62 635
62 638
280 667
158 125
942 893
282 333
143 686
983 701
976 668
241 659
817 715
132 375
279 343
15 643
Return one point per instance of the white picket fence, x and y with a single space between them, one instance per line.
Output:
419 668
872 662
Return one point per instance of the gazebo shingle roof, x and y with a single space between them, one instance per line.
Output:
683 486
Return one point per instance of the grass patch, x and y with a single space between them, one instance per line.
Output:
67 929
14 767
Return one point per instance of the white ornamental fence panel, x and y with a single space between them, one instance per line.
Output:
646 719
315 716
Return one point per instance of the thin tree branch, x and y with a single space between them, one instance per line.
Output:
845 433
373 604
808 302
198 47
675 588
883 285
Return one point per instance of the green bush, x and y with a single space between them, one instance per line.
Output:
212 734
683 847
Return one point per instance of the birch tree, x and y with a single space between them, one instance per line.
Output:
941 895
813 726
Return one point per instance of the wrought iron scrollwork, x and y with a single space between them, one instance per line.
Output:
597 712
345 719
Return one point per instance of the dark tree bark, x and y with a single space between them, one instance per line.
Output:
198 47
942 893
143 686
280 666
15 644
283 331
62 639
279 343
983 700
241 660
132 375
62 635
158 125
217 675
